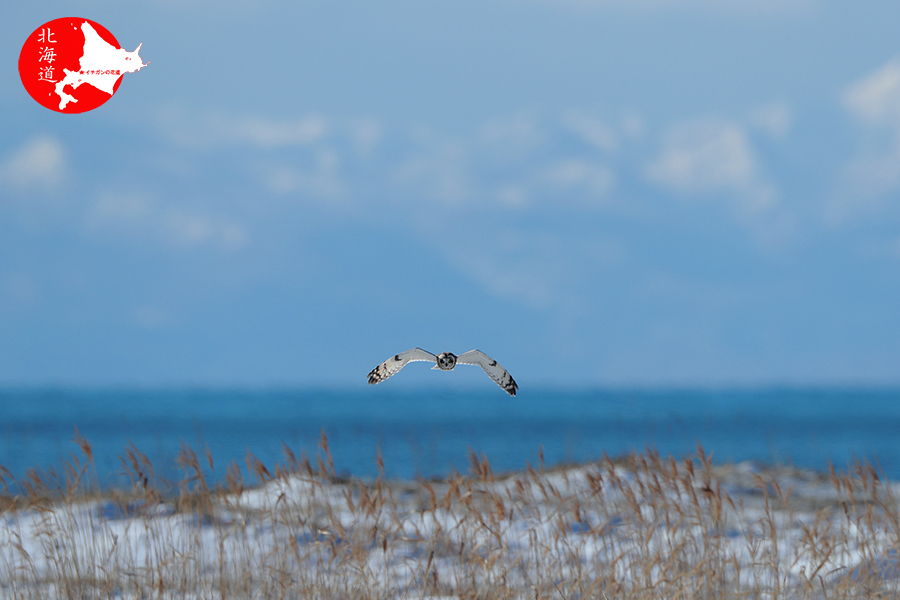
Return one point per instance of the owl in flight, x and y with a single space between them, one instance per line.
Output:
445 361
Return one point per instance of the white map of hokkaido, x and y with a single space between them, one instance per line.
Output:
101 66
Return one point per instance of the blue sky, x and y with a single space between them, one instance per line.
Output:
594 192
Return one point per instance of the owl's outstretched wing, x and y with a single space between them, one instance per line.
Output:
496 372
397 362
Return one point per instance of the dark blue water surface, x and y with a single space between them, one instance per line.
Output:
427 433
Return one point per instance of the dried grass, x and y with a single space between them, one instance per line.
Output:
638 527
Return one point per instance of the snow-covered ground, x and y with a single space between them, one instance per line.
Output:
638 527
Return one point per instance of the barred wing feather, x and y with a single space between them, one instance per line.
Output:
496 372
393 365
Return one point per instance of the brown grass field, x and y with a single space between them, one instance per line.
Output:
636 527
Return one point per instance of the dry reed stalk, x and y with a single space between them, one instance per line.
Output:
637 527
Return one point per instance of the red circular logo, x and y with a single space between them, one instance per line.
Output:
74 65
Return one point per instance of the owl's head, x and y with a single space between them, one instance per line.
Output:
446 361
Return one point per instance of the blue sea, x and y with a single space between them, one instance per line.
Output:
428 433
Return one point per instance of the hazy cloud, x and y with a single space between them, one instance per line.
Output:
592 130
535 268
875 101
192 130
518 132
632 125
705 155
586 177
876 97
775 119
750 7
441 173
140 214
514 162
267 133
365 133
714 159
322 181
531 268
40 164
188 229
